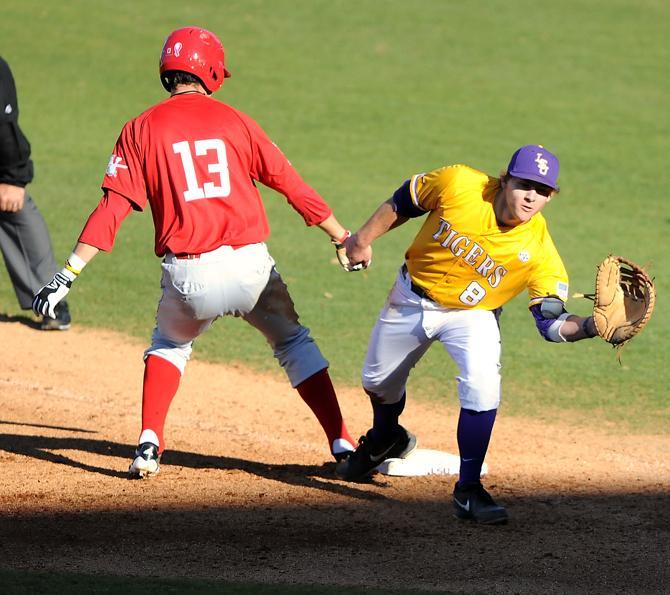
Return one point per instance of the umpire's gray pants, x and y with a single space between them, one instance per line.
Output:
26 248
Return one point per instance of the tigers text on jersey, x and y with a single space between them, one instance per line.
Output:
196 160
462 258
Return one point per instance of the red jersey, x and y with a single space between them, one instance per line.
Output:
196 161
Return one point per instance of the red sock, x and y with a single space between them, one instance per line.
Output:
318 392
161 381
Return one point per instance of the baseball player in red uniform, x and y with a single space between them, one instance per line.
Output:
195 161
483 241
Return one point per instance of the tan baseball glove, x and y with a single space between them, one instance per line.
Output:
623 301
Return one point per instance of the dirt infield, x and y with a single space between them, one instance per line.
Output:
246 491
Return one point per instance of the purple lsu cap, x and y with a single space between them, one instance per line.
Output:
534 162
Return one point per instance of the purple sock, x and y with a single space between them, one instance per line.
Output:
385 418
473 434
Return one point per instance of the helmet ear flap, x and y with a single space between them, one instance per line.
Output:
165 81
196 51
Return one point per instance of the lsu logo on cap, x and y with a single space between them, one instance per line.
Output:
542 164
534 162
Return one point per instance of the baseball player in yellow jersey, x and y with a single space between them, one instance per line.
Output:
483 241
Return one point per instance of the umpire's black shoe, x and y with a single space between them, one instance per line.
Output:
61 322
369 454
472 501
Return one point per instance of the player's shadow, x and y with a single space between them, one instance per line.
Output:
48 427
50 449
21 319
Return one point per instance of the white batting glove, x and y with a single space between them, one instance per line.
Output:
47 298
341 252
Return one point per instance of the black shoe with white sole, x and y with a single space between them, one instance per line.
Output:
472 501
146 462
370 453
62 322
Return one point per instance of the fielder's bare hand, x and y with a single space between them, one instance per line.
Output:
357 252
345 262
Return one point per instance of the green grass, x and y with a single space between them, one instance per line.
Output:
360 95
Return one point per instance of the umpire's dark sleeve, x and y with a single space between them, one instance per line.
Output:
16 168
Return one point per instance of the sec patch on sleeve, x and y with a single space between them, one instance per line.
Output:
562 290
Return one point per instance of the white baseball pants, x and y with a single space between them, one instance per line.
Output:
231 282
408 325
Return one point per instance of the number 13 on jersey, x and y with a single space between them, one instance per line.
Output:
219 185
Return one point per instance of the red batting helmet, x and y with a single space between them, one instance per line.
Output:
197 51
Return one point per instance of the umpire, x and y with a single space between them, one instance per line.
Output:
24 237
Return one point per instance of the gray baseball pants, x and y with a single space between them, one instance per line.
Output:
26 247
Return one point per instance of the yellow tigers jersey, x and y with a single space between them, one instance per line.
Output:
462 258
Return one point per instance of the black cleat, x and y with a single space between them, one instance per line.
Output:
341 449
146 462
369 454
472 501
62 320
